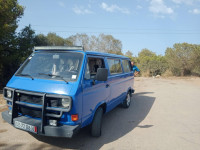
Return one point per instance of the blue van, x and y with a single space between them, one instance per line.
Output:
59 90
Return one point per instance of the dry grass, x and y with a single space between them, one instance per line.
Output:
146 74
167 73
2 101
3 107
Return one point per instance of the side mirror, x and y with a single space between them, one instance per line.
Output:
102 74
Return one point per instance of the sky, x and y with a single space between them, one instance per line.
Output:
138 24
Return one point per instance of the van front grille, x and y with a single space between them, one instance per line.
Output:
30 99
31 112
33 100
32 104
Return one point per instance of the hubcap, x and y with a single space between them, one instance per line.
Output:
128 100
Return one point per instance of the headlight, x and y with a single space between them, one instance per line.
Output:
66 103
9 93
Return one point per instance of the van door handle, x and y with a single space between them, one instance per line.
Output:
107 85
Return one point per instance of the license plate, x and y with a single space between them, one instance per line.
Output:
25 126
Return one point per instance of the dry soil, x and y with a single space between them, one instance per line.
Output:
164 115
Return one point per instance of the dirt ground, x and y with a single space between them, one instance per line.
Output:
2 101
164 115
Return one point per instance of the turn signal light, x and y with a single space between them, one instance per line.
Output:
74 117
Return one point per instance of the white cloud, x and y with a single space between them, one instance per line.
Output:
61 4
195 11
114 8
179 1
158 7
187 2
80 10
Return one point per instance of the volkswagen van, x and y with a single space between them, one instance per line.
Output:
59 90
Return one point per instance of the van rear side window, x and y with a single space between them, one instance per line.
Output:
114 66
126 66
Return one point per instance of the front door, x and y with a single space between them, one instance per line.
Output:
94 92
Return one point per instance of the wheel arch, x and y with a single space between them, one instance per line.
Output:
101 104
130 90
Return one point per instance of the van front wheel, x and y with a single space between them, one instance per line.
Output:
127 101
96 123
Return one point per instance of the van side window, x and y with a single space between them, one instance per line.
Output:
92 65
114 66
126 66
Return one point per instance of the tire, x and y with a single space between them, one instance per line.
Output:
96 123
127 101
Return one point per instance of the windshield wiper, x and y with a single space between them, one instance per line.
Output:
51 75
26 75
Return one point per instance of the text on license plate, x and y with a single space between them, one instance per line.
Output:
25 126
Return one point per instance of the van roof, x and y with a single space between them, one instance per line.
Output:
40 48
76 48
105 54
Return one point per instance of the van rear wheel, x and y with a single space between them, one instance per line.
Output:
96 123
127 101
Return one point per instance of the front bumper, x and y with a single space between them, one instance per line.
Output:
58 131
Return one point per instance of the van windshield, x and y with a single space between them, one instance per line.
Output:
52 65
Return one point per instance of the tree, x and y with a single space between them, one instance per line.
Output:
80 40
51 40
151 64
196 60
55 40
107 43
10 12
26 43
129 54
146 53
41 40
179 58
102 43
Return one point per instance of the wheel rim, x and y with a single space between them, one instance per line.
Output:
128 100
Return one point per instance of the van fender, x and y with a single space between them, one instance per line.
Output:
97 106
91 116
